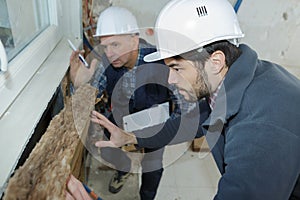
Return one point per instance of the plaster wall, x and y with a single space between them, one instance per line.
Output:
271 27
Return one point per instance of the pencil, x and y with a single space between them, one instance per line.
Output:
91 192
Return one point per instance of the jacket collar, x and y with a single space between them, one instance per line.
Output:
231 93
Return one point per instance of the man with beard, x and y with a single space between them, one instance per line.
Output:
251 123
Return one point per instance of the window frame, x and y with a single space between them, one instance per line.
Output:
31 80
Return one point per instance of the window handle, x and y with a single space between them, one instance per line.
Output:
3 58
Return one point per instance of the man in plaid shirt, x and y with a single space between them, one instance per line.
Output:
131 86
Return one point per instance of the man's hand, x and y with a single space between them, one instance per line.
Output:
80 74
76 191
118 137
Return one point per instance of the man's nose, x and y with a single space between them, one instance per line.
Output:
109 52
172 76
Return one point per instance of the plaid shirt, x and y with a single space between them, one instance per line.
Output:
213 97
99 80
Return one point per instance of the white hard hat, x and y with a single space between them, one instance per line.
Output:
116 21
185 25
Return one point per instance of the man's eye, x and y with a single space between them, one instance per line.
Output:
115 44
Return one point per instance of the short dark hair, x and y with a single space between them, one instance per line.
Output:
231 51
202 55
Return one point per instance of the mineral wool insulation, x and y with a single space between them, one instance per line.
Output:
44 174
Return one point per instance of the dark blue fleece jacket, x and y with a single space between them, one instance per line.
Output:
254 131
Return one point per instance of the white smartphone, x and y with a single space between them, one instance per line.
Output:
80 56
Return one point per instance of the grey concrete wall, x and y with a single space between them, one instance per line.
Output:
271 27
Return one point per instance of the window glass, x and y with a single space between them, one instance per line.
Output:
20 22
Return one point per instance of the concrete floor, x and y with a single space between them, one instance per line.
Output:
99 177
187 175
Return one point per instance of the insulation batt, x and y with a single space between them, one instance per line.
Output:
44 173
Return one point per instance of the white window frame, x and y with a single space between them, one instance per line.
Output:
31 80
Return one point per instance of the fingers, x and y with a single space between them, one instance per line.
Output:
76 190
73 187
103 123
103 143
93 65
74 56
102 120
74 59
69 196
97 115
118 136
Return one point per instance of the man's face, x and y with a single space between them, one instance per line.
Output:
191 81
119 49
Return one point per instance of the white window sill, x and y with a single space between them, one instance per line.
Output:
20 119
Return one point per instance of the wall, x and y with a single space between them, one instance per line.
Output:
146 12
271 28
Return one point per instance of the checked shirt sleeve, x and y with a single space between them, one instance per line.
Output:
99 79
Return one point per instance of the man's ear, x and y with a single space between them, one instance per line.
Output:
218 60
136 40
